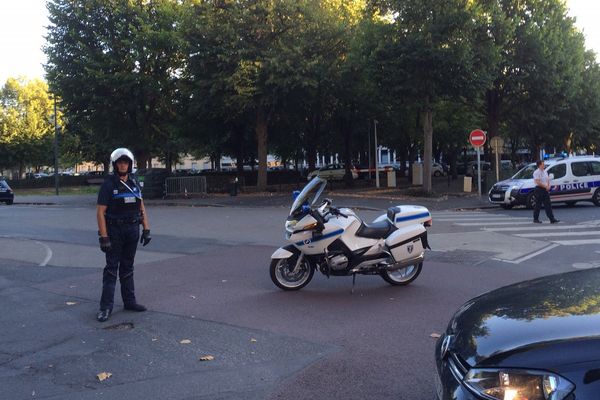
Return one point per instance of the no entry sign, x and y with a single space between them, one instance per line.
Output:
477 138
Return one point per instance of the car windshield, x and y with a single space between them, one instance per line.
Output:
526 172
310 194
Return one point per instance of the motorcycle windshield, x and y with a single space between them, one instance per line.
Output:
310 194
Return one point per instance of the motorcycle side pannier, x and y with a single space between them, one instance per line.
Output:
408 215
405 243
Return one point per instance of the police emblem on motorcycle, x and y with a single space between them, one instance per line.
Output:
410 248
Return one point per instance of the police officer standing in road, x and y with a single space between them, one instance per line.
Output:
120 211
541 193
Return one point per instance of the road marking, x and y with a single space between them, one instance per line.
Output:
459 215
493 223
549 234
493 219
48 253
537 227
576 242
528 256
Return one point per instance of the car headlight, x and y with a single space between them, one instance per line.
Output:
517 384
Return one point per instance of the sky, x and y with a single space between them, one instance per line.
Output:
23 22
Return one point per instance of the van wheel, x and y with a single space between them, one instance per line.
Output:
437 174
596 197
9 202
507 206
530 202
570 203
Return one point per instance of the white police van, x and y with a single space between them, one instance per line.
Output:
572 179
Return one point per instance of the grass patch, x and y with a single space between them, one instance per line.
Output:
67 190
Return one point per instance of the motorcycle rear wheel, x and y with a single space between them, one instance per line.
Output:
402 276
283 276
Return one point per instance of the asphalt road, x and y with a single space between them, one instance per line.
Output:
204 278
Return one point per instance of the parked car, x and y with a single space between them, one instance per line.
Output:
573 179
333 172
436 169
472 167
535 340
6 193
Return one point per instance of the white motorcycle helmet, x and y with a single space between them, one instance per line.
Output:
119 153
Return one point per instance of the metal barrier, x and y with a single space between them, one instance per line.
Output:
185 185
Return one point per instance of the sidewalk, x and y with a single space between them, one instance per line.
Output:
447 194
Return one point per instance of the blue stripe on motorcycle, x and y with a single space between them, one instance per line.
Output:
410 217
317 239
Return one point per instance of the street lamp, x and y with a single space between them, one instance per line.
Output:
376 158
55 147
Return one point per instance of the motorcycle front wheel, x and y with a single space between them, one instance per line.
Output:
402 276
286 276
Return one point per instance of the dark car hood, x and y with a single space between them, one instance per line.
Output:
538 317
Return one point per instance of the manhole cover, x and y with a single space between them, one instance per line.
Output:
124 326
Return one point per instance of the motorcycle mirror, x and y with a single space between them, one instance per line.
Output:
295 194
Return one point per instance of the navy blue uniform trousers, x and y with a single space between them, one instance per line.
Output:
542 197
119 262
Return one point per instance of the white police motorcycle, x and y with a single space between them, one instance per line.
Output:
338 243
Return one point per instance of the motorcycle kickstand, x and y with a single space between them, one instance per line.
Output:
353 282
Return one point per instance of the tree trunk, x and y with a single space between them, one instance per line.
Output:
427 146
262 125
239 151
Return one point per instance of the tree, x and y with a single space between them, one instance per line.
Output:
115 64
429 56
26 124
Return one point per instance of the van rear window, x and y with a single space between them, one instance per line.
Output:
579 168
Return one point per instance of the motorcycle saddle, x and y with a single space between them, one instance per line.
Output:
376 230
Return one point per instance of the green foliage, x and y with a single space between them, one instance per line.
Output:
26 124
301 77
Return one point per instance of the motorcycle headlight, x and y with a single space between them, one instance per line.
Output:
517 384
289 225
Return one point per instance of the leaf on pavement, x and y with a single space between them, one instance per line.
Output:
435 335
102 376
192 296
253 340
185 341
206 358
70 303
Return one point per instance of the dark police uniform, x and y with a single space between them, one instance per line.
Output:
122 223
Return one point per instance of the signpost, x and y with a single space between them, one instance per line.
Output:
477 139
497 144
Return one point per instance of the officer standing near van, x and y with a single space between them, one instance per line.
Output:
541 193
120 211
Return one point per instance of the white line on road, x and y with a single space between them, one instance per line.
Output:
493 219
493 223
539 228
528 256
48 253
576 242
549 234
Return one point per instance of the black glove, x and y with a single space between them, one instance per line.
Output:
145 238
105 245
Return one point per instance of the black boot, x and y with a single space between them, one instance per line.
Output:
103 315
135 307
